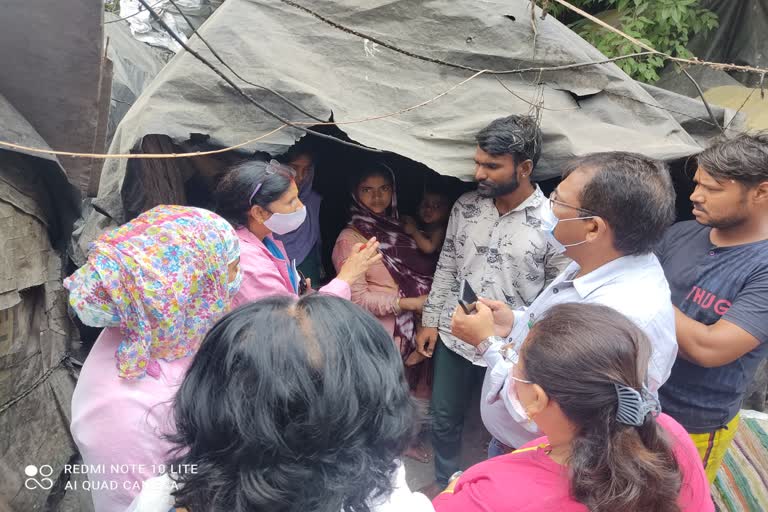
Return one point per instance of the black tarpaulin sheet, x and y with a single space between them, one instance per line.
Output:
332 72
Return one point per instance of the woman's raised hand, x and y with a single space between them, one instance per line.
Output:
362 258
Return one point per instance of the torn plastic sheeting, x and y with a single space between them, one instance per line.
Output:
146 29
328 70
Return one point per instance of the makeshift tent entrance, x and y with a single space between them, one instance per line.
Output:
330 71
191 181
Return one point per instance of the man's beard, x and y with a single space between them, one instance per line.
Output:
734 219
724 223
486 189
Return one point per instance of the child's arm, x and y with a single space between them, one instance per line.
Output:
429 244
426 243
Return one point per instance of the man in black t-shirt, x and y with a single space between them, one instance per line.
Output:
717 268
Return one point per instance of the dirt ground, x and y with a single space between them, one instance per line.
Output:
474 448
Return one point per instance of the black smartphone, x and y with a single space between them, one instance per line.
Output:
467 298
302 283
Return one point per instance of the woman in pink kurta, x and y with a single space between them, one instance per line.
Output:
395 288
157 284
580 377
377 293
261 199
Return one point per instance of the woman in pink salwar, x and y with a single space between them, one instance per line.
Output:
393 289
157 284
261 199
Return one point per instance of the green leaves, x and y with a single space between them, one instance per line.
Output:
665 25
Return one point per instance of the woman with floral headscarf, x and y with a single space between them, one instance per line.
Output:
395 288
157 284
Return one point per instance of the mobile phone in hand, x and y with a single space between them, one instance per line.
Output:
467 298
302 283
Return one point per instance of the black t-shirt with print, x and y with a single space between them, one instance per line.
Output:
709 283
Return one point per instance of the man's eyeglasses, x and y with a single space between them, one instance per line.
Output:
553 202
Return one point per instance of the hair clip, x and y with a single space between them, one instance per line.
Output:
273 167
255 190
634 405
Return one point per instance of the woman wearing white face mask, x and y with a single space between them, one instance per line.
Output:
259 199
580 376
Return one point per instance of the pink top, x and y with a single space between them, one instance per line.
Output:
119 421
378 292
532 481
265 275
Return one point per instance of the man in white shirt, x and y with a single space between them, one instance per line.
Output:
606 215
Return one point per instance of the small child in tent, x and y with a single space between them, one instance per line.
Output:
429 231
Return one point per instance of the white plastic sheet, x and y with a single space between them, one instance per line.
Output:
145 29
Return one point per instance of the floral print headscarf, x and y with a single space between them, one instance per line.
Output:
163 279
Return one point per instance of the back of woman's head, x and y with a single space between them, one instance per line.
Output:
292 406
235 195
578 353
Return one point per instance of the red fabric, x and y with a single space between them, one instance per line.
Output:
531 481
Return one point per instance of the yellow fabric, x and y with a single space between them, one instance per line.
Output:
451 486
713 445
530 448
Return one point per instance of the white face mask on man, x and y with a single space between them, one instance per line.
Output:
549 222
282 223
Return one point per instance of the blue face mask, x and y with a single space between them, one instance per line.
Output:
234 285
549 222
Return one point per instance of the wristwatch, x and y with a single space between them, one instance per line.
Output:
487 342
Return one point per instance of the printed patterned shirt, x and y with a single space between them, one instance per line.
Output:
503 257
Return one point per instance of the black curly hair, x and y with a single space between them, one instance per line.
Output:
292 406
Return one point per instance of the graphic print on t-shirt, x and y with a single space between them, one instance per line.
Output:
709 283
706 300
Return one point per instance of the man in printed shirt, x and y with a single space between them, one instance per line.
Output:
607 214
494 242
717 267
